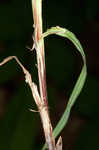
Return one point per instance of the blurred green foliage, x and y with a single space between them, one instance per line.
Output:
87 102
89 136
19 127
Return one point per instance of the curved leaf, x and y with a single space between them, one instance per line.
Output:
80 81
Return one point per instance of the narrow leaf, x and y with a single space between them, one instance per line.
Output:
80 81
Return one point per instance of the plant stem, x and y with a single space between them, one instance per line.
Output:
39 46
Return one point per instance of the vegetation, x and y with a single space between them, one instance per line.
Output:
41 97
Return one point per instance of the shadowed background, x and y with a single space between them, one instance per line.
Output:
22 129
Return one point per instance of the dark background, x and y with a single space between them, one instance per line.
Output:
22 129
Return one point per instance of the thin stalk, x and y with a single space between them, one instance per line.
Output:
39 46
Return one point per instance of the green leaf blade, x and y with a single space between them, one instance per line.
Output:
80 81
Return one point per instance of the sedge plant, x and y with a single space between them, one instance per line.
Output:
41 97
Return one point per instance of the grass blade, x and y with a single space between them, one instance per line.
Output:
80 81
